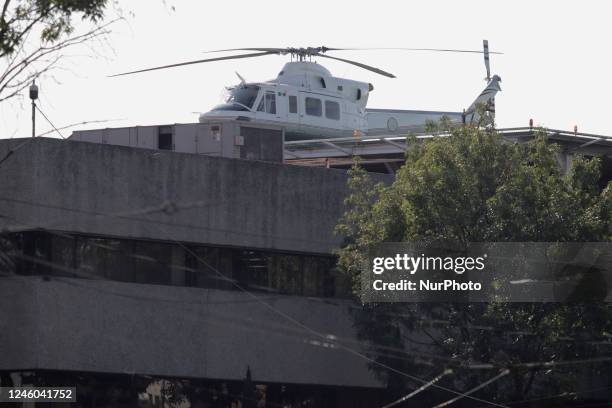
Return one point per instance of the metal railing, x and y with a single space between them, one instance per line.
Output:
394 143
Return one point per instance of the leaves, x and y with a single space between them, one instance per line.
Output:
474 186
33 34
53 17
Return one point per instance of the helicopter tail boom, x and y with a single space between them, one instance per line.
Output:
485 102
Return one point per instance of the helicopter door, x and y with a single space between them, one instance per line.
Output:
268 106
293 115
312 116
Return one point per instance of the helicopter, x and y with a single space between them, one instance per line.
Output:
310 103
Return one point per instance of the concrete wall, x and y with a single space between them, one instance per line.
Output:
121 191
102 326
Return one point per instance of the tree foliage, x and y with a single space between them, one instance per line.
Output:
474 186
34 33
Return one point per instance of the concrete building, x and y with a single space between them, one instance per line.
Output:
123 265
132 264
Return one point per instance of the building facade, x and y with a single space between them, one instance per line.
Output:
127 272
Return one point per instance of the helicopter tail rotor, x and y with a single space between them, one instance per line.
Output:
485 46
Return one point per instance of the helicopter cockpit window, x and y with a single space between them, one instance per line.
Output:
241 98
313 107
268 103
332 110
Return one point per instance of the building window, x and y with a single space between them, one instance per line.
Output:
332 110
164 138
150 262
292 104
106 258
314 107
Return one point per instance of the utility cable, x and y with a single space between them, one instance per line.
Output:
305 327
87 122
51 123
340 345
326 338
420 389
503 373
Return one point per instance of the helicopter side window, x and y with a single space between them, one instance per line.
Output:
292 104
332 110
268 103
314 107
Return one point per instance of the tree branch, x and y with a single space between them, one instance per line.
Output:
4 8
9 79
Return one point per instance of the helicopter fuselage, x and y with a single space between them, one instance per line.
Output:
305 99
310 103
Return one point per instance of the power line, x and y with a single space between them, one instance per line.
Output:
420 389
458 363
11 151
427 385
473 366
561 395
346 348
298 323
342 346
80 273
78 124
168 206
199 204
85 275
503 373
47 119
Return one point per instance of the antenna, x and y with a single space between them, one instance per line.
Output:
485 46
242 81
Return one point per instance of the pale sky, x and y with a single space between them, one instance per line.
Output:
556 67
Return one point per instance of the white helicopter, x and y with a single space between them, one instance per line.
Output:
310 103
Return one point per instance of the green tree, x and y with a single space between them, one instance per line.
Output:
34 34
476 187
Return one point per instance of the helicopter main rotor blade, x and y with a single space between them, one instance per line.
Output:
315 52
324 49
180 64
277 50
415 49
359 64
